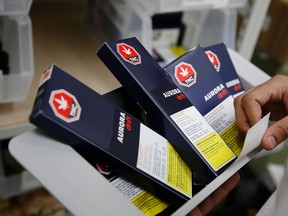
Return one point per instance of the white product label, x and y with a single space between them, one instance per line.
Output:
222 116
126 188
222 120
144 201
152 154
192 123
158 158
204 138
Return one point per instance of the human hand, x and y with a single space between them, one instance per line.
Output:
216 197
271 96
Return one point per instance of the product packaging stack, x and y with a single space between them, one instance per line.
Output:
166 133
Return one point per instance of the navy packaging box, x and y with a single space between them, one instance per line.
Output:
196 77
220 59
80 117
160 98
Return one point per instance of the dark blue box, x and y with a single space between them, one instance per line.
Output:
94 126
220 59
160 98
196 77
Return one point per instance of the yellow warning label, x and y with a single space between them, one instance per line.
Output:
233 139
215 150
178 50
148 204
178 174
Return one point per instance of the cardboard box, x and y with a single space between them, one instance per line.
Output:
197 78
172 113
220 59
80 117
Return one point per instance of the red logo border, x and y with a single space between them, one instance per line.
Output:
175 74
219 63
73 119
118 50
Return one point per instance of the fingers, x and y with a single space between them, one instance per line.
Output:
271 96
275 134
216 197
247 110
240 115
249 106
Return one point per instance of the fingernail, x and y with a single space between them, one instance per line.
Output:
271 142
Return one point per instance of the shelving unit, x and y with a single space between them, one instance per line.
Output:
125 18
16 39
254 16
164 6
15 7
19 182
79 57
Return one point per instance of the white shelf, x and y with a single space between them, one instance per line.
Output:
15 7
164 6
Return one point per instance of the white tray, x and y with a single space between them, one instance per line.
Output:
84 191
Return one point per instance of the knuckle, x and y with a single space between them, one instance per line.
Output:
279 77
245 99
238 100
282 131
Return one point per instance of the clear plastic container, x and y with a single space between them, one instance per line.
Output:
208 27
17 184
15 7
117 11
184 5
115 19
11 174
16 37
207 21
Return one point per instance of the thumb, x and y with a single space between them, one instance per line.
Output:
275 134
